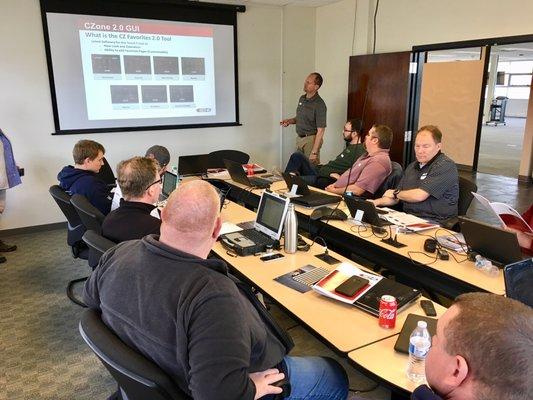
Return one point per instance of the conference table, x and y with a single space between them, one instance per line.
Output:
342 327
450 278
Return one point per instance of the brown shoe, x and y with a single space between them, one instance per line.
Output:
4 247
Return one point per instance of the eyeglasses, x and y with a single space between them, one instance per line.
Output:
347 130
160 181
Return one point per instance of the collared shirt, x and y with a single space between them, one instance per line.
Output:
132 220
310 115
368 172
343 161
440 179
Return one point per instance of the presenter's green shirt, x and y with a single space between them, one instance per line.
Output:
343 161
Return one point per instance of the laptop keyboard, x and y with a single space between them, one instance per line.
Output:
259 182
309 278
257 237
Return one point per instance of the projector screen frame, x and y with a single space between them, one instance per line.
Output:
212 13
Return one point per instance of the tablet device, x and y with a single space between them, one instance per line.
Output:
402 343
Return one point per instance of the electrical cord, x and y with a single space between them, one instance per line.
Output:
375 15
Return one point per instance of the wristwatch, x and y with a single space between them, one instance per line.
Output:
395 194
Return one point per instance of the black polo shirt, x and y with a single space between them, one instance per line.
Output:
132 220
310 115
440 179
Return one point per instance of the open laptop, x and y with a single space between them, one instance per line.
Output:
193 165
371 215
404 295
267 229
308 198
496 244
236 171
170 182
518 279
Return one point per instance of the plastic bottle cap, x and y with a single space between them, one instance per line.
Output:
422 324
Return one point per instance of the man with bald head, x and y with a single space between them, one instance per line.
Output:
163 297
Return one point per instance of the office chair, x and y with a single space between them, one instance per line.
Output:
90 216
391 181
75 228
98 245
75 231
106 174
138 378
466 187
216 158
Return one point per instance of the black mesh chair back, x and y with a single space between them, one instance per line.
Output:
391 181
466 187
90 216
98 245
216 158
137 377
106 174
75 226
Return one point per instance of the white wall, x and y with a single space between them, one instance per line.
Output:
298 62
334 32
26 111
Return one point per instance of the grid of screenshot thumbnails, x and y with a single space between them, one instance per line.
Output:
143 68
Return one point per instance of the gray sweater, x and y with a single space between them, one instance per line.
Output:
185 314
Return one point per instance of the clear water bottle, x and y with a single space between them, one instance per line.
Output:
291 230
486 266
419 344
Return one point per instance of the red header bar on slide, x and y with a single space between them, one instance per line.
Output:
145 28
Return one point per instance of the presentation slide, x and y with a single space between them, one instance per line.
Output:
124 72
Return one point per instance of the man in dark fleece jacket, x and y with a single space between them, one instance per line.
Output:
164 298
81 178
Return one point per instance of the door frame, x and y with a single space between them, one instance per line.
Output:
419 54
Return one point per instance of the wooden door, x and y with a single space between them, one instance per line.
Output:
378 91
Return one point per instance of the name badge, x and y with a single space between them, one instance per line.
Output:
423 176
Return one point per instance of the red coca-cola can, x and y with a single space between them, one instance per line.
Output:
387 311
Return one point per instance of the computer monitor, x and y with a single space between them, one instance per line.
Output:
170 181
271 214
491 242
518 279
193 165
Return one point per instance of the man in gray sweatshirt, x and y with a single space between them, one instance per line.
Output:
164 298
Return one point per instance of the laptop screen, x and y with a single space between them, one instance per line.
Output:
271 214
170 181
519 281
491 242
193 165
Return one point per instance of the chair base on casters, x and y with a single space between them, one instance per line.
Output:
70 292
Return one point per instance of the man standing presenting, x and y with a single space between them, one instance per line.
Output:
310 119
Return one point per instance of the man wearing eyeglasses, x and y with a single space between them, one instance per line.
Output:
140 184
162 156
321 176
370 170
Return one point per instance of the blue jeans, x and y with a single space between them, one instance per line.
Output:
316 378
298 162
